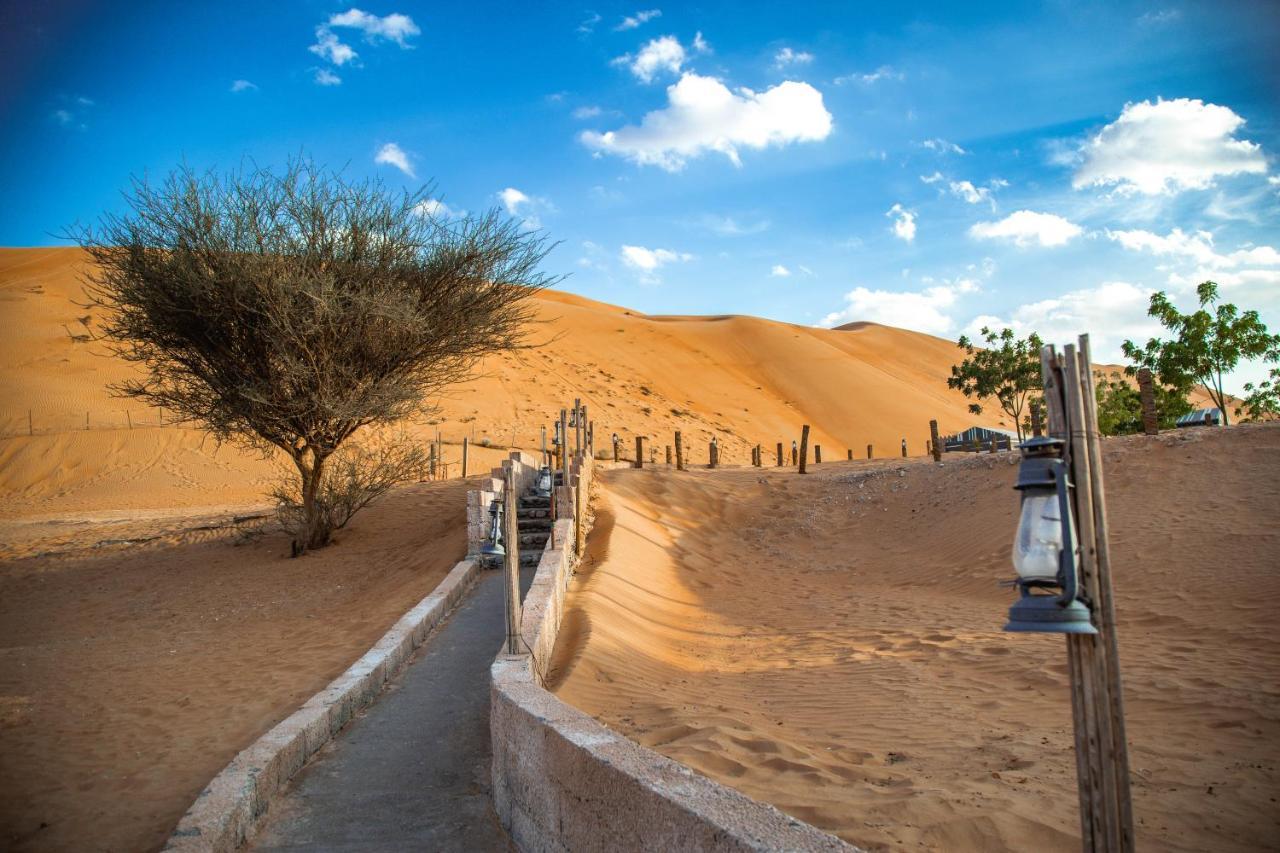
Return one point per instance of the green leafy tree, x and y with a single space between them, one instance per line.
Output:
1120 404
1261 402
1007 371
1206 344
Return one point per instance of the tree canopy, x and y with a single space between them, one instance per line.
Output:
1007 370
291 310
1206 344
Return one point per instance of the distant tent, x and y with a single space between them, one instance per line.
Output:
1005 439
1200 417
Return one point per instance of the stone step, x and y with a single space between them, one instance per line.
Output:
535 502
531 513
535 540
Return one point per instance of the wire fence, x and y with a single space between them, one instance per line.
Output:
43 422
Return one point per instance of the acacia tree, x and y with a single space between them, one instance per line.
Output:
1006 370
293 310
1261 401
1206 343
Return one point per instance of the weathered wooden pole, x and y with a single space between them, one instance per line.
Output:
679 452
868 451
577 425
616 442
1150 423
995 442
564 448
904 448
511 560
31 424
465 445
934 444
713 453
639 451
804 447
795 453
433 460
779 454
1037 425
86 421
850 452
1102 763
544 445
817 454
668 454
759 456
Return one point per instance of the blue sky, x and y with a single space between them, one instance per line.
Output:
1045 165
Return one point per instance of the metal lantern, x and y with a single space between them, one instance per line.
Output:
494 549
543 488
1044 551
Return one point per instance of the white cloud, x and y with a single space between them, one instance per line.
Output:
700 44
975 195
587 112
727 226
904 222
1026 228
328 46
661 54
1159 17
242 86
1167 147
884 72
1110 313
787 56
325 77
64 117
632 21
932 179
647 261
1196 246
704 115
526 207
942 146
394 27
588 25
436 209
393 155
779 271
924 311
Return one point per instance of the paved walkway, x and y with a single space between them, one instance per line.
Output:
412 772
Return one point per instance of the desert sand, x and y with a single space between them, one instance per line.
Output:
831 643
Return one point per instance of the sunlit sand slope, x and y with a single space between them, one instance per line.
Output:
831 644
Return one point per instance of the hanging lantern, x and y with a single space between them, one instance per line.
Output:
494 550
1044 550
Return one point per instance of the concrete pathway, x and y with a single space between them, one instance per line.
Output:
412 772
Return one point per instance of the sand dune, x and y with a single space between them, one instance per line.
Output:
743 379
831 644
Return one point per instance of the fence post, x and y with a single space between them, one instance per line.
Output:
713 453
850 452
759 456
86 421
679 452
804 447
934 446
1037 425
868 451
577 425
668 454
433 460
639 451
564 448
31 424
995 442
817 454
779 454
795 454
464 457
1150 423
511 561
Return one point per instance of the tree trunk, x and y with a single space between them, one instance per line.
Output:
316 529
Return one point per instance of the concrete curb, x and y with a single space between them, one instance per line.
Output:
227 811
562 781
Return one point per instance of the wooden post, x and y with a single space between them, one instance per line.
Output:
868 451
1150 423
759 456
464 457
668 454
31 424
616 442
995 442
564 449
162 416
935 445
904 448
779 454
804 447
679 452
817 454
433 460
86 421
511 561
1037 426
639 451
1102 765
577 425
850 454
795 454
713 453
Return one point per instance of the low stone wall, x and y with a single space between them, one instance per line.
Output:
526 466
562 781
226 813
